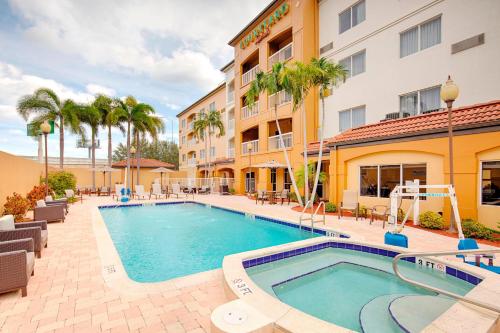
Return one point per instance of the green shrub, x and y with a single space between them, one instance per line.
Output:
330 207
60 181
16 205
431 220
363 211
474 229
232 191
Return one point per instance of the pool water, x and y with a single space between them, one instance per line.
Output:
352 289
161 242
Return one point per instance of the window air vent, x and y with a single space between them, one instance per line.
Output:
467 43
326 48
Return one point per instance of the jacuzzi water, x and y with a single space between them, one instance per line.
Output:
354 289
157 243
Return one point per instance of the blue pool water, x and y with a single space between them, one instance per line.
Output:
157 243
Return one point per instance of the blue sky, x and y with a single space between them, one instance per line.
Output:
165 53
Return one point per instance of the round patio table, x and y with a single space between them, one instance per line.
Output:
272 197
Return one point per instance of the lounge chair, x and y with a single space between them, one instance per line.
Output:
284 195
176 190
17 264
49 201
156 191
70 194
261 195
48 213
139 192
104 190
224 190
36 230
349 203
204 190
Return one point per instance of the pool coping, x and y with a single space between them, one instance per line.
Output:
460 316
114 273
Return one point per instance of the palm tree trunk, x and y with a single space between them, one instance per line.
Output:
320 154
127 176
138 156
110 153
206 156
283 148
61 142
93 158
306 169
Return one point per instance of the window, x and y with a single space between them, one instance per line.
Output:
421 101
380 180
490 183
212 106
273 179
420 37
212 151
354 64
202 153
183 157
183 139
352 16
183 123
351 118
202 111
287 182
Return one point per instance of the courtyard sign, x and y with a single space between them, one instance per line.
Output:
263 29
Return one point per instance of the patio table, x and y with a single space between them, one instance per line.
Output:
272 197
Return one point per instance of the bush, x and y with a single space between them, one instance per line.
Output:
363 211
16 205
60 181
330 207
232 191
431 220
474 229
37 193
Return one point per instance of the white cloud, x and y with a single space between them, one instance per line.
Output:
95 89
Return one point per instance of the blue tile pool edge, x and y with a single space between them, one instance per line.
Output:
469 278
318 231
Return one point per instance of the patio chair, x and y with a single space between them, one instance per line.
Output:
382 212
284 195
156 191
50 201
139 192
349 203
176 190
36 230
48 213
262 196
204 190
104 190
17 264
224 190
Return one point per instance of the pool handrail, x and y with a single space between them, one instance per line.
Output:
438 290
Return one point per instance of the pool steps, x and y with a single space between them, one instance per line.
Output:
374 317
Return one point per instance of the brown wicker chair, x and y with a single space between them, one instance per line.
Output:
49 213
17 264
51 202
36 230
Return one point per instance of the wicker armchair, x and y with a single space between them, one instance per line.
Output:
49 213
36 230
49 201
17 264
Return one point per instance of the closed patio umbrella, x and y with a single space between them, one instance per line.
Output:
104 170
161 171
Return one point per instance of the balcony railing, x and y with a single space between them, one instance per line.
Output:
254 144
230 152
191 143
230 127
190 126
191 162
274 141
247 111
282 97
282 55
249 76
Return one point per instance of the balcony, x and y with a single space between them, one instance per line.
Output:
191 162
249 76
254 144
274 141
190 126
282 97
230 127
282 55
230 152
191 142
248 112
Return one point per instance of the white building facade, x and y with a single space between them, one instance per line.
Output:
399 52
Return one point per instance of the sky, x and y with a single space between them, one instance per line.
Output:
166 53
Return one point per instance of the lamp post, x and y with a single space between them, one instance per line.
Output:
46 128
132 153
449 93
250 167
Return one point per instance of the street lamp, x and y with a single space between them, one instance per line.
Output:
449 93
250 167
46 128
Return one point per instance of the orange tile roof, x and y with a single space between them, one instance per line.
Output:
477 115
144 163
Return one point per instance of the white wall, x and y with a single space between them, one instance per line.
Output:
476 71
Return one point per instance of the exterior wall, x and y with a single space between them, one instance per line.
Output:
469 151
301 19
476 70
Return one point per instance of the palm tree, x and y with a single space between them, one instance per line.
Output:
91 116
272 83
309 172
200 129
46 105
324 74
215 126
297 82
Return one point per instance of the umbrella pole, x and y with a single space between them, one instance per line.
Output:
104 177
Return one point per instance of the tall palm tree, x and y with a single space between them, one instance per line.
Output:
200 129
46 105
215 126
91 116
324 75
272 83
297 82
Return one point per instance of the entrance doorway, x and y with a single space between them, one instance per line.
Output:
250 182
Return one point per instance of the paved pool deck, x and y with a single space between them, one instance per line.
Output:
70 291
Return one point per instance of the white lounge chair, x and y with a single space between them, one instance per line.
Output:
139 192
350 203
156 191
176 190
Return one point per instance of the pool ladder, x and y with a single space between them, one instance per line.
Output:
395 267
313 215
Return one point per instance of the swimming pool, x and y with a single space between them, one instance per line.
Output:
160 242
353 286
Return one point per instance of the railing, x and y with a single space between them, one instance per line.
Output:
247 111
254 144
230 152
213 183
249 76
274 141
191 143
282 97
192 162
282 55
313 214
395 267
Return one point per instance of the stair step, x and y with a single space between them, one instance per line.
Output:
374 317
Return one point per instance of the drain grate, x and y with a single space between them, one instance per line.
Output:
109 269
